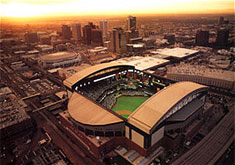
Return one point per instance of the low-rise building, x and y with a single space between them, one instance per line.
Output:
200 74
13 117
143 63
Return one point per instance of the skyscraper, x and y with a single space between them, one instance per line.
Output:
76 32
222 37
131 34
96 37
221 20
202 38
104 28
31 37
118 41
66 32
87 32
45 40
131 23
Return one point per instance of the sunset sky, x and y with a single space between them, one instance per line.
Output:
30 8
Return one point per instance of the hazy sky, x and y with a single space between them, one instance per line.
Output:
27 8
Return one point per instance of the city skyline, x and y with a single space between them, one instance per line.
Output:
117 89
42 8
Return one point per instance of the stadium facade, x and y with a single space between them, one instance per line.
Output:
59 59
170 108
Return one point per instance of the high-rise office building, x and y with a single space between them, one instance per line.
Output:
131 23
66 32
131 34
202 38
104 28
118 41
221 20
76 32
87 32
170 38
222 37
96 37
45 40
31 37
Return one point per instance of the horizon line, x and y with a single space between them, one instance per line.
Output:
114 15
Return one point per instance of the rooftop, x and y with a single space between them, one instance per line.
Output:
199 70
98 49
59 56
176 52
143 63
69 82
12 111
150 113
145 117
89 113
68 72
33 51
5 91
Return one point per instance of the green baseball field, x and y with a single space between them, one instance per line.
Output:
125 105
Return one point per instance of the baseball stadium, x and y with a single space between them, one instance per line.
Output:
117 100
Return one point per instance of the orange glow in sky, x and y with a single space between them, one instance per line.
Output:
30 8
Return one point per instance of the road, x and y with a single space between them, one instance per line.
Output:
73 151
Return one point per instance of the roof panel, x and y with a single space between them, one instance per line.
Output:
176 52
85 111
149 113
69 82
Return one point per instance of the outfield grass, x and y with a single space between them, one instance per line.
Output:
128 103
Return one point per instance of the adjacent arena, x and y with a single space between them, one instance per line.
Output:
60 59
113 99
